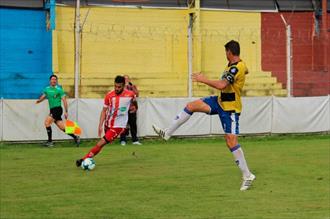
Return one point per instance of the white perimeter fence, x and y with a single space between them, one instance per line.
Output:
23 119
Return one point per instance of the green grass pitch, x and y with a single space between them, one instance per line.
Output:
179 179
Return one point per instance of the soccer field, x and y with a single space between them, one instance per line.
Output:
195 178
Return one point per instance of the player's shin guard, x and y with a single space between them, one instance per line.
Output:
93 152
49 133
240 160
181 118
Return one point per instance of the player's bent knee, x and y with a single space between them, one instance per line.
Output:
190 107
103 141
60 124
48 121
198 106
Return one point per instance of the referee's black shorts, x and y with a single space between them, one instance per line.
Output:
56 113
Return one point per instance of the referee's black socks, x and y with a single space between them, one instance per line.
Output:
49 133
73 136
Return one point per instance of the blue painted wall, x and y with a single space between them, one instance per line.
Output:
25 53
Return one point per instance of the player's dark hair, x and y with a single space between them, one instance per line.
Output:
233 47
52 76
120 79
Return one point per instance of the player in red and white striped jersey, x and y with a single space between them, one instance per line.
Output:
114 116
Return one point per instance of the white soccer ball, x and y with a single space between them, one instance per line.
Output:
88 164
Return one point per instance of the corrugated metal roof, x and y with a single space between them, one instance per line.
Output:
295 5
281 5
22 3
239 4
147 3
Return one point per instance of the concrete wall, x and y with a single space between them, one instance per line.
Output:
25 53
219 27
150 45
311 75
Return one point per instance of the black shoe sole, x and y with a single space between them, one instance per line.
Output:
78 162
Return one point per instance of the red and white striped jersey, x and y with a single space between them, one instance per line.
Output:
118 105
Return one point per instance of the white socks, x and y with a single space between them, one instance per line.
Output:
240 160
181 118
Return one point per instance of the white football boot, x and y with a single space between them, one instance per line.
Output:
247 182
161 132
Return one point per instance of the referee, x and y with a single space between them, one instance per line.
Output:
55 94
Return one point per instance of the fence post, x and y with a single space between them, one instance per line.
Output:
288 57
77 50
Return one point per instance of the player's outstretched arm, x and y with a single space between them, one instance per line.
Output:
217 84
41 98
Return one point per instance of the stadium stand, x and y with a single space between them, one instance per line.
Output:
148 40
257 84
153 50
94 86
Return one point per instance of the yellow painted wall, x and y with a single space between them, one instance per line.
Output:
151 46
217 28
147 44
63 41
212 31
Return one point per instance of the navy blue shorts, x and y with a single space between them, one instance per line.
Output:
229 119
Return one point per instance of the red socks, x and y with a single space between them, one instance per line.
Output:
94 151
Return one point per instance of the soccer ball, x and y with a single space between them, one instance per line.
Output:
88 164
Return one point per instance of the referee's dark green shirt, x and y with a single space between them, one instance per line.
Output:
54 95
